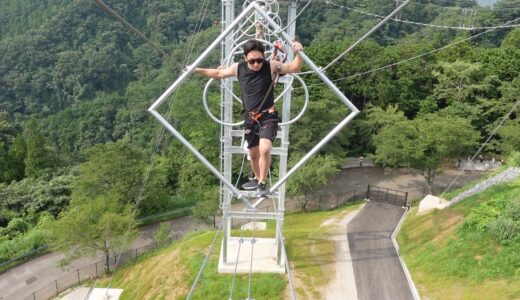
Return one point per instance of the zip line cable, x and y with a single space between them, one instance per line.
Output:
385 19
367 34
253 241
116 16
417 56
477 8
240 242
484 144
458 2
417 23
199 274
112 13
297 15
284 255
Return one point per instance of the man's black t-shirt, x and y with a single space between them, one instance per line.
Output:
254 86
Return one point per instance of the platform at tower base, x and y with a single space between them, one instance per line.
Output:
264 256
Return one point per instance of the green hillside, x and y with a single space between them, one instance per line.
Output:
469 251
170 272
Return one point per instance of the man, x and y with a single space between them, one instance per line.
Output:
256 76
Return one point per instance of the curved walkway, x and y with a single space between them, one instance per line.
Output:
21 281
377 269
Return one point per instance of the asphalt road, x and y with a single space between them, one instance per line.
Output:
21 281
377 270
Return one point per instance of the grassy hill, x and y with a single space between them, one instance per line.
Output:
470 251
170 272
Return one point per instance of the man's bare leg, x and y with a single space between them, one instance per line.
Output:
264 162
255 157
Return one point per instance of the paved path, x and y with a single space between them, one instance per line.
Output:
21 281
377 270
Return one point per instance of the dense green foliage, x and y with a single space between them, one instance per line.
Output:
75 86
424 143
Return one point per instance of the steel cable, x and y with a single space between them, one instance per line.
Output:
112 13
484 144
417 23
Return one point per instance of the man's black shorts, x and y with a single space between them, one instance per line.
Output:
265 128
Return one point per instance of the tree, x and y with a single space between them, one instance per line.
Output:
118 170
315 124
113 169
105 200
17 155
512 39
313 174
162 236
38 157
510 139
206 205
376 118
424 143
12 150
459 81
101 224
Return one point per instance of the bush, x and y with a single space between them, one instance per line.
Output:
514 159
480 217
16 227
514 209
6 216
162 236
10 249
504 230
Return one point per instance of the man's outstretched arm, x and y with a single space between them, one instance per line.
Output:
218 73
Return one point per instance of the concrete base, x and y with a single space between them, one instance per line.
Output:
97 294
430 203
254 226
264 256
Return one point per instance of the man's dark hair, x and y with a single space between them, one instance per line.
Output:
253 45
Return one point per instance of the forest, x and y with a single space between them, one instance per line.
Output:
78 148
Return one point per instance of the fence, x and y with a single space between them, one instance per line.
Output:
391 196
90 272
144 221
24 256
323 201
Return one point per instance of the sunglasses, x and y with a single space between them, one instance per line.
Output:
253 61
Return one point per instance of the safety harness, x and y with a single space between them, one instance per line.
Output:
280 55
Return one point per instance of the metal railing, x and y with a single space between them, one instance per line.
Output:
90 272
381 194
26 255
144 221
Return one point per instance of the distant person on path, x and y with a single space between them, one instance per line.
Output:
257 78
361 161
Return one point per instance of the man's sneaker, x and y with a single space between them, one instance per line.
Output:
251 184
263 190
